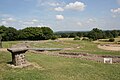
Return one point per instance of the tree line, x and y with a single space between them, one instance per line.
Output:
45 33
29 33
94 34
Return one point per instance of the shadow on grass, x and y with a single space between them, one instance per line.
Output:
10 62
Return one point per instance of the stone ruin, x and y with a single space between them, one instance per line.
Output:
18 53
18 56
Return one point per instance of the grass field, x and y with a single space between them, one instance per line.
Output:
8 44
60 68
74 45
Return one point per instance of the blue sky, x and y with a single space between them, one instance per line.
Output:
61 15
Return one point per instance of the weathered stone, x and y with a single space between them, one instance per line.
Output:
18 56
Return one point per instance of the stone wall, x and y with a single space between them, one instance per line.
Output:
18 59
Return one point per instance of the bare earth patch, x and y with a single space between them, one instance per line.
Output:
3 49
112 47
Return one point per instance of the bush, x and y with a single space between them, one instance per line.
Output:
111 40
54 37
77 38
85 38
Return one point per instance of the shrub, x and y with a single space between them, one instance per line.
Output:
111 40
85 38
54 37
77 38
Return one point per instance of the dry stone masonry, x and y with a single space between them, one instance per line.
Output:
18 56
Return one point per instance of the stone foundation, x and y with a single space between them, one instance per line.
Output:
18 56
18 59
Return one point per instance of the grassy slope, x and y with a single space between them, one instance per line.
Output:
58 68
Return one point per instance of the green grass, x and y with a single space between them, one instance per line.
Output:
85 46
58 68
8 44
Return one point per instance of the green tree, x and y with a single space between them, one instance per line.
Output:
96 34
115 33
35 33
108 34
30 33
10 34
72 35
47 33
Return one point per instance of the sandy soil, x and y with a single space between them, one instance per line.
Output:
3 49
112 47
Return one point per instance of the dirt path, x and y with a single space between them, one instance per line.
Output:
3 49
111 47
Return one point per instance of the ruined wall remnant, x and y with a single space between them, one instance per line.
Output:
18 56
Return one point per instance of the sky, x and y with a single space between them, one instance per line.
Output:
61 15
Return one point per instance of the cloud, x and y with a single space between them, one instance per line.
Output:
28 23
117 10
76 6
79 23
58 9
54 4
3 23
35 20
10 19
59 17
6 21
90 20
42 25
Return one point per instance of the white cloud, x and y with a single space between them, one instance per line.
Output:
54 4
10 19
76 6
4 23
47 3
117 10
28 23
79 23
35 20
59 17
42 25
90 20
58 9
